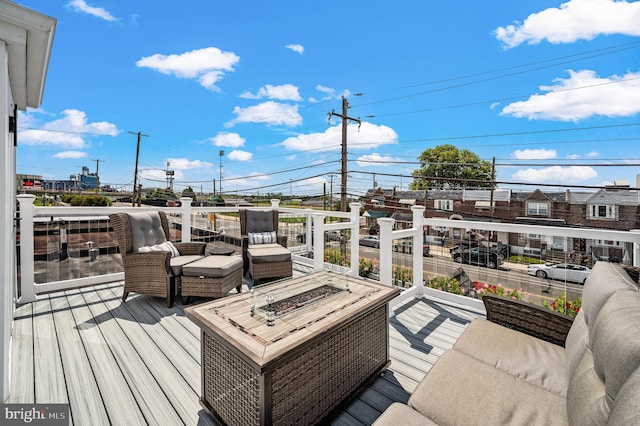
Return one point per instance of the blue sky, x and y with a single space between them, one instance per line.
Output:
550 89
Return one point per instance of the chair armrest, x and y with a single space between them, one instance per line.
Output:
150 259
190 248
534 320
282 240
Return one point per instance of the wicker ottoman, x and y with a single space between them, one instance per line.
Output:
211 276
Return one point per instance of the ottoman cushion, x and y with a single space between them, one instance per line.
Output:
264 253
212 266
177 263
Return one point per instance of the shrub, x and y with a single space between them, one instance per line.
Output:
402 274
524 259
334 257
367 267
564 306
482 289
448 284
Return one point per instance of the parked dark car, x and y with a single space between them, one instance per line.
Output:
478 256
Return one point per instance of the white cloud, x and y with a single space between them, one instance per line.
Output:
239 155
556 174
69 131
375 160
292 157
573 156
367 137
572 21
156 175
283 92
534 154
82 6
328 93
186 164
207 65
592 154
581 96
70 154
270 113
296 48
229 139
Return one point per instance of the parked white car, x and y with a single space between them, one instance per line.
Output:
561 271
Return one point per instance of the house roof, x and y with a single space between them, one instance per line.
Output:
29 39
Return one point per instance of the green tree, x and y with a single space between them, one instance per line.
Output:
445 166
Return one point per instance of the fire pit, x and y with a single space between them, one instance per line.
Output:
275 304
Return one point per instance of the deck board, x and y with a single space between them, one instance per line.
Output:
117 397
84 395
138 362
22 356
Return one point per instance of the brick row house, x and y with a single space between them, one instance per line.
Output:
615 207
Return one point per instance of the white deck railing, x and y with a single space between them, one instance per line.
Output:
316 227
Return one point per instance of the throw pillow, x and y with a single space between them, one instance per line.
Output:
262 237
166 246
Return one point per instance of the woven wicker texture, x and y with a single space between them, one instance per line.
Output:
267 270
305 389
211 287
525 317
302 389
148 273
232 388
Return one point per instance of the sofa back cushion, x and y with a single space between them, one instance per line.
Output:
146 229
605 279
605 368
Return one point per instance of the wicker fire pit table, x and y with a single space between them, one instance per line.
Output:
292 351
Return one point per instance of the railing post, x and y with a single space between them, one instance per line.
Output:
418 241
275 204
355 237
318 241
386 251
635 258
309 229
27 274
186 219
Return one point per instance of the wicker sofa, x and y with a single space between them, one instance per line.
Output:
494 375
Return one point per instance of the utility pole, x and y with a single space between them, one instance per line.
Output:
493 180
97 174
345 121
135 173
221 153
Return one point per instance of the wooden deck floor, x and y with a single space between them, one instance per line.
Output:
138 362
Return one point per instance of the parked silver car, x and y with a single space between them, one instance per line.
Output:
561 271
370 241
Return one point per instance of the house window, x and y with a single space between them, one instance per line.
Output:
599 211
443 205
535 208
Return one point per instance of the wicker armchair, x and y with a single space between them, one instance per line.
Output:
270 260
154 273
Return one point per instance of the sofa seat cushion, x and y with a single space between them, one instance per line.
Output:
399 414
177 263
264 253
212 266
535 361
461 390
